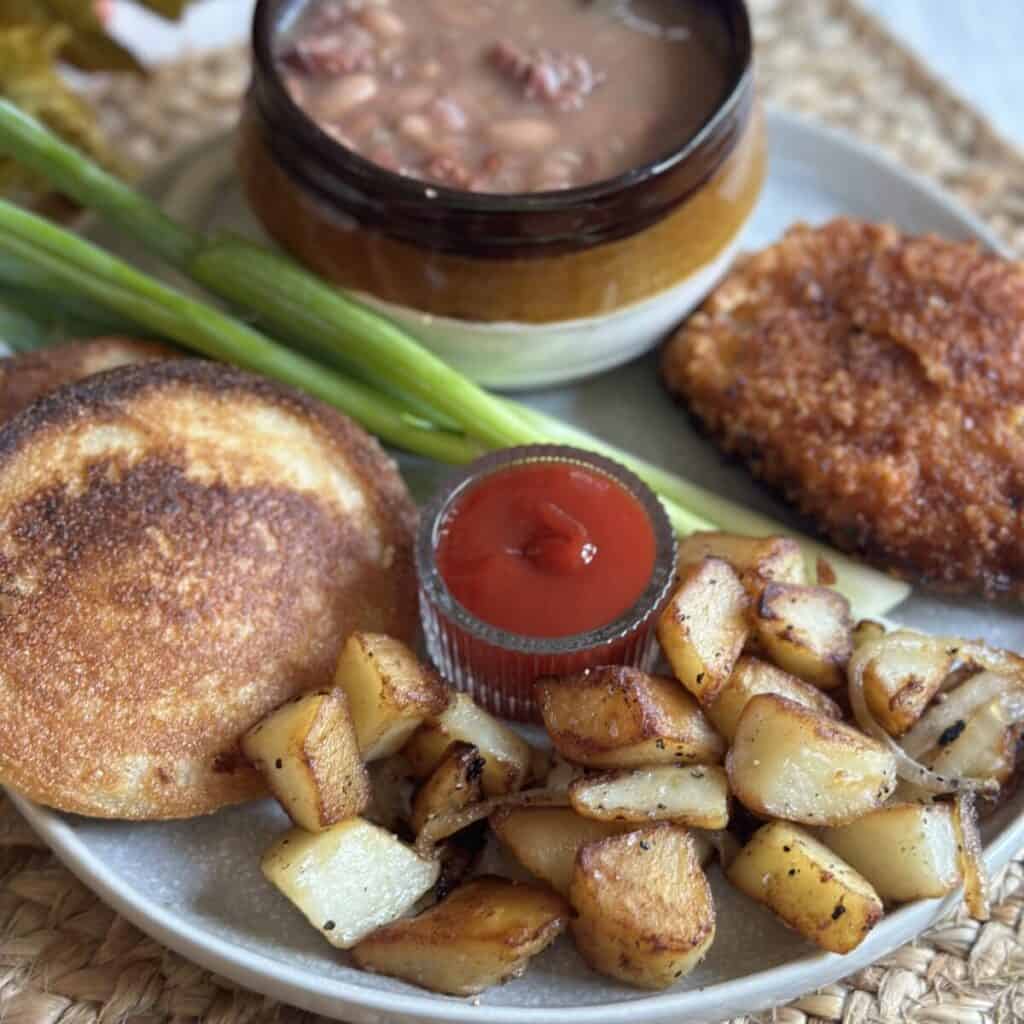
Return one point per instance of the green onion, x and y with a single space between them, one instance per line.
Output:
87 270
247 274
330 326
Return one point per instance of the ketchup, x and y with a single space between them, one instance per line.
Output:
547 549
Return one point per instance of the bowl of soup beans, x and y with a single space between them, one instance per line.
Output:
539 190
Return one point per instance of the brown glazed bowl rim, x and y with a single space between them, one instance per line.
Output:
490 224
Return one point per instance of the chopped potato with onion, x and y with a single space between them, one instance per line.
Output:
390 692
507 756
807 631
644 909
900 681
481 935
704 627
758 560
454 784
983 747
350 879
807 886
308 753
793 763
695 795
619 717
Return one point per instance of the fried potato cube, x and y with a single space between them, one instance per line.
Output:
389 690
695 795
507 756
906 851
900 682
308 753
704 627
350 879
752 676
983 748
454 784
790 762
618 717
807 886
758 560
484 933
807 631
644 910
545 840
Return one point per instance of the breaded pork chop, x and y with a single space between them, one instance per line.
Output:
878 381
183 546
24 377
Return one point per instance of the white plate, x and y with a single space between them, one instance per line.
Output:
196 886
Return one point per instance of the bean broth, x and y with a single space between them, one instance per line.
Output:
508 96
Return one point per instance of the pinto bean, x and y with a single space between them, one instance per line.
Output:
413 97
344 95
382 22
524 133
415 127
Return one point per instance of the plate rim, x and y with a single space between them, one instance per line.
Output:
302 987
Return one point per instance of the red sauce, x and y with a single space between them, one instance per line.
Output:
547 550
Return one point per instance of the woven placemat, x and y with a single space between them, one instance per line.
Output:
65 958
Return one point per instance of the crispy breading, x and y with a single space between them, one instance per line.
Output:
183 547
877 380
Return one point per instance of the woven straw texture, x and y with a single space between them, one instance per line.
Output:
65 958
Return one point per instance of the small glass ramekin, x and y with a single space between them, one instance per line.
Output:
498 668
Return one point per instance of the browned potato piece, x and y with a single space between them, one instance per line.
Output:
900 682
545 840
507 756
790 762
389 690
753 676
484 933
806 631
619 717
644 910
454 784
696 795
308 753
758 560
983 749
905 851
704 627
807 885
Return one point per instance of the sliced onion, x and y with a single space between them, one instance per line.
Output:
959 706
446 824
907 767
969 853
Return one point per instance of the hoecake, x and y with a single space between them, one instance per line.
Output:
183 546
877 379
26 376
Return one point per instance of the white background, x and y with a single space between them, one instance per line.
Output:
978 45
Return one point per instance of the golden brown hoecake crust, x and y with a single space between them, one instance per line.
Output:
24 377
183 546
877 380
